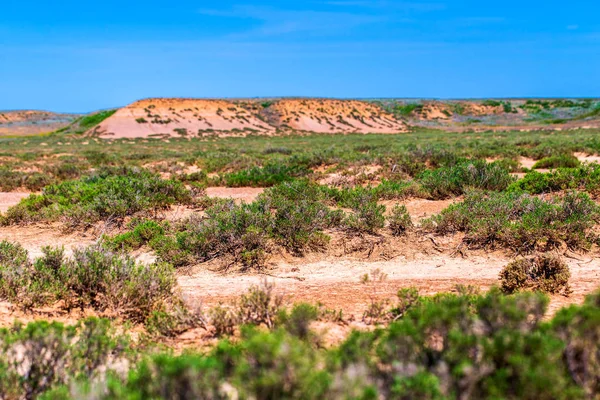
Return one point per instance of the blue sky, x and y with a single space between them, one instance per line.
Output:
80 56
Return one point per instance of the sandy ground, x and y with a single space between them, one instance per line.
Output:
10 199
583 157
34 238
335 116
336 282
246 195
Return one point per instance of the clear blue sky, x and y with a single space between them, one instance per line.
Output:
81 55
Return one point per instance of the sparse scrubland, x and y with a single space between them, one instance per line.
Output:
529 195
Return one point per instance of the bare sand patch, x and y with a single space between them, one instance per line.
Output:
245 194
9 199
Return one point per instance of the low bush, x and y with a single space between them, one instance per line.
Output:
291 215
260 305
109 195
558 161
297 321
300 216
545 273
93 277
269 175
585 177
520 221
45 358
367 215
386 190
142 233
454 180
464 345
399 220
11 180
237 234
450 346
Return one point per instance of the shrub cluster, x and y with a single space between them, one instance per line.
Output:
110 194
269 175
454 180
448 346
558 161
545 273
42 359
293 215
520 221
585 177
92 278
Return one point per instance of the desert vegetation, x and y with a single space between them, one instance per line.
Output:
463 344
179 292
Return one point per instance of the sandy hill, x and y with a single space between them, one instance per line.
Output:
30 122
335 116
198 117
174 117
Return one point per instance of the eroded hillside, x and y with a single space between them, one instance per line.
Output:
195 117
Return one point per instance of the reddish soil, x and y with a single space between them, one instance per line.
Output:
9 199
335 116
196 117
247 195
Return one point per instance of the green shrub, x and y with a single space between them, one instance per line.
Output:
545 273
399 220
43 358
237 233
108 195
260 305
93 277
559 161
300 216
367 215
143 233
585 177
452 181
291 215
520 221
297 321
461 345
269 175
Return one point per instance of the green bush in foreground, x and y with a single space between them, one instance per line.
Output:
108 195
442 347
520 221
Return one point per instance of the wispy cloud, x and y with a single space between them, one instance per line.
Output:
279 21
390 5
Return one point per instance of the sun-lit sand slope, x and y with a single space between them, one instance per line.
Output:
195 117
335 116
174 117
